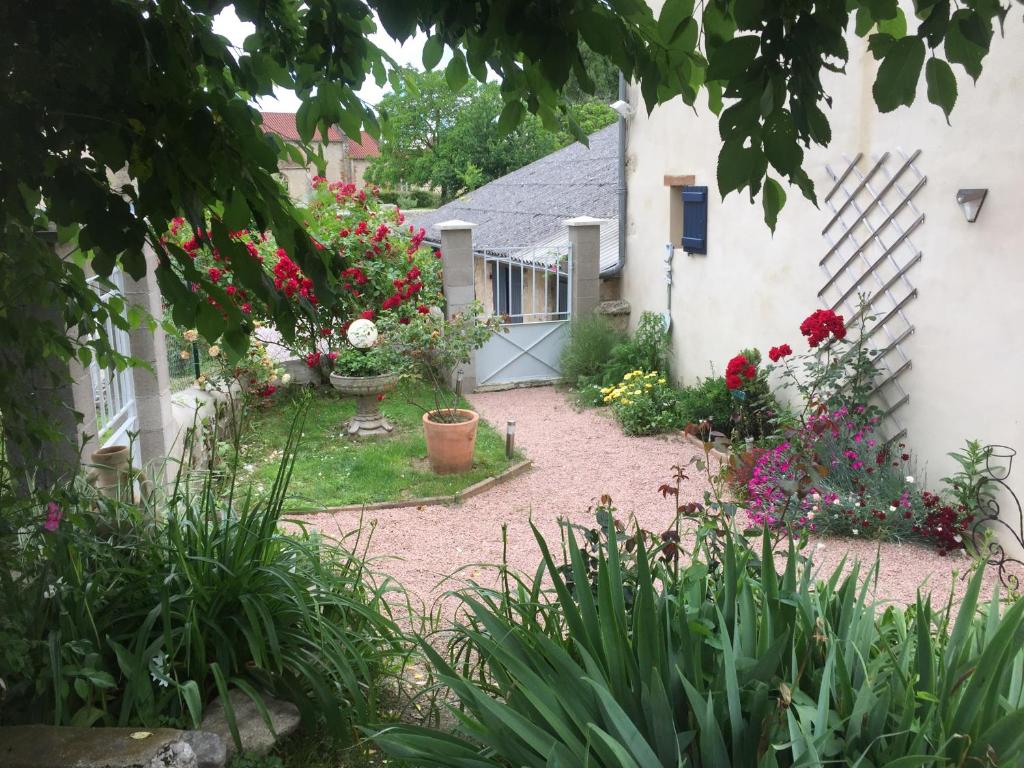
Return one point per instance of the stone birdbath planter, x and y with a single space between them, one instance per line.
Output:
367 390
368 421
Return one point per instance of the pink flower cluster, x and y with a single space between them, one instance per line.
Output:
768 501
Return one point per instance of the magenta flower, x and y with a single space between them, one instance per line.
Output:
53 516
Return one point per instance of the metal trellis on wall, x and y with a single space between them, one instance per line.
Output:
871 252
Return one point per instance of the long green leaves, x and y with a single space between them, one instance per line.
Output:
725 663
147 616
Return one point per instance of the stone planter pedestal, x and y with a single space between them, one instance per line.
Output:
368 421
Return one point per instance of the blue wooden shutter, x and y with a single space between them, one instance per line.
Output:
695 219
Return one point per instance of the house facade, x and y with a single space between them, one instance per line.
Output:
347 159
947 293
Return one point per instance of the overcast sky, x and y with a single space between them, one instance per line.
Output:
409 53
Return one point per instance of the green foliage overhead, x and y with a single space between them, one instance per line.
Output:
457 140
147 89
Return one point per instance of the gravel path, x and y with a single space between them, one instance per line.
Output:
577 456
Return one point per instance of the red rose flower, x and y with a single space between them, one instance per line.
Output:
732 381
423 309
820 324
367 314
777 353
313 359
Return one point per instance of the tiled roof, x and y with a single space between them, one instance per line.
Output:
283 124
367 147
528 207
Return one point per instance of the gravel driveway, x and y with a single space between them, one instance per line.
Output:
578 456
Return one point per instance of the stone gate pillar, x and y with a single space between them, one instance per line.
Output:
585 240
157 428
459 287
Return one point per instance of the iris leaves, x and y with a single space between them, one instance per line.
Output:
731 663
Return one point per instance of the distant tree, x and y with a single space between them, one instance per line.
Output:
591 116
602 72
454 143
420 109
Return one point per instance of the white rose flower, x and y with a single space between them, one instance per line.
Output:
191 334
286 378
910 478
855 532
213 351
362 333
892 508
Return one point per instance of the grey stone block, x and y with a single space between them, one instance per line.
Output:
256 737
209 748
48 746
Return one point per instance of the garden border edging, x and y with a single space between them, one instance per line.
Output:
476 489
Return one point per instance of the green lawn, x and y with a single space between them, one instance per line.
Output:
333 469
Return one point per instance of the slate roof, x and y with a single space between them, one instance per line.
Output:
528 207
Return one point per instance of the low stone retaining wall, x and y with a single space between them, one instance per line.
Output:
50 746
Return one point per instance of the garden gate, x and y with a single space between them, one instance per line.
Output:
530 289
113 390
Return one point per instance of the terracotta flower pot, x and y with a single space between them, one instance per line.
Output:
450 445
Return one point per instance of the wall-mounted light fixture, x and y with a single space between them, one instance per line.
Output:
970 202
622 108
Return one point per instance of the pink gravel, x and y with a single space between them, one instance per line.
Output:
577 457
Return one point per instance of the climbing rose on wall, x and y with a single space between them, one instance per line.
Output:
820 324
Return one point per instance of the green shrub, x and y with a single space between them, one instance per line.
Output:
425 198
710 400
648 350
644 403
135 615
591 341
714 662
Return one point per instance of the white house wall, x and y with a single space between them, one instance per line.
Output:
753 289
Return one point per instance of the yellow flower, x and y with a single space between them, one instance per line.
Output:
648 386
626 402
649 375
661 381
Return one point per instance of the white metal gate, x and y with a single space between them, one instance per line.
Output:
113 391
530 288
